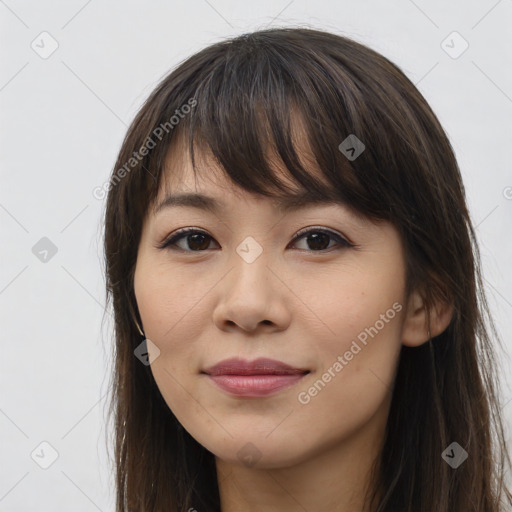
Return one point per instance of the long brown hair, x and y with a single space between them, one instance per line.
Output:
235 98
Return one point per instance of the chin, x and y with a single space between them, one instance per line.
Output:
258 452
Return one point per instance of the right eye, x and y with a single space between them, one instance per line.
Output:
197 240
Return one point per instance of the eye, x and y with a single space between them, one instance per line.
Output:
197 240
318 239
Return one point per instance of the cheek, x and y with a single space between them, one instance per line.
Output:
356 370
167 299
359 348
355 304
171 307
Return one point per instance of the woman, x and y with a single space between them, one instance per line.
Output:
300 322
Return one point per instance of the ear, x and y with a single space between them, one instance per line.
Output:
416 329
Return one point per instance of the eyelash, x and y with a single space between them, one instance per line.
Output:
182 233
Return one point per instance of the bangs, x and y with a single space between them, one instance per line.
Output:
261 108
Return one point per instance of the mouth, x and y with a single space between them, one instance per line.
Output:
257 378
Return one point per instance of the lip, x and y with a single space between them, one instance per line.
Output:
257 378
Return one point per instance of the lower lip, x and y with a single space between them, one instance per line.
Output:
255 385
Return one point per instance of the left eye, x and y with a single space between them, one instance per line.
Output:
198 241
317 239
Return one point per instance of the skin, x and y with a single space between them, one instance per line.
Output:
294 303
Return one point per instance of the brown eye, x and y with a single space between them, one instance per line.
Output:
319 239
195 240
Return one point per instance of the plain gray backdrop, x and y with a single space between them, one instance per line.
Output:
73 75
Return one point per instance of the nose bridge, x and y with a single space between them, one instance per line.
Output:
250 262
250 250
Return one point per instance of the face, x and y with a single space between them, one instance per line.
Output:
315 288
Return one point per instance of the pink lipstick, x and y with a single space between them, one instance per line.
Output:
257 378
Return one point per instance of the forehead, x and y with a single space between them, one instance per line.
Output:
209 178
178 164
211 190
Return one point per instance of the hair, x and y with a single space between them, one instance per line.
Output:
245 94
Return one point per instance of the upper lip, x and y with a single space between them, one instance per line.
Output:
262 366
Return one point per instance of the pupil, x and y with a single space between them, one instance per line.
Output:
200 245
318 238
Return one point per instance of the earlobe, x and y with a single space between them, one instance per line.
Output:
416 329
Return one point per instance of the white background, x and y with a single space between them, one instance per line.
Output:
62 122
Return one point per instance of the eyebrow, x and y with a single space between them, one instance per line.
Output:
288 204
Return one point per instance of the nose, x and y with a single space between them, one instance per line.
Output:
252 297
